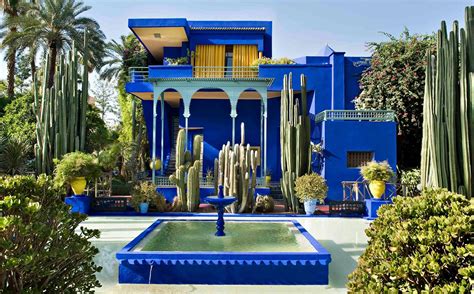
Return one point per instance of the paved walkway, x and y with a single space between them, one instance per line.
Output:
344 238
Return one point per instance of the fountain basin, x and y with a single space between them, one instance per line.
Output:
275 252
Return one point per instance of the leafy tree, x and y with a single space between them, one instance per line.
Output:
120 56
395 81
56 25
43 248
419 245
106 101
98 136
18 120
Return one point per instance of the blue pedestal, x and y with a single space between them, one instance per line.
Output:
373 205
79 203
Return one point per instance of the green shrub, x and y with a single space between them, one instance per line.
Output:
267 60
376 171
311 186
419 244
108 157
43 250
146 192
76 164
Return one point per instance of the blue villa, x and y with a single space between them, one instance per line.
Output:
218 89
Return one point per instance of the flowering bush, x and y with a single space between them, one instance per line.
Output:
311 186
376 171
419 245
395 80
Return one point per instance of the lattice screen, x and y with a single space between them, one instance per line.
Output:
359 158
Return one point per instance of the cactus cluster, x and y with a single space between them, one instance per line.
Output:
236 170
295 140
187 174
61 110
447 156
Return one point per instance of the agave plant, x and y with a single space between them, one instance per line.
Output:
13 155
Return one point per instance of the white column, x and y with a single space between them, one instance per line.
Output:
233 97
156 92
162 96
263 92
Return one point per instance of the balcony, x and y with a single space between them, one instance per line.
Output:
143 74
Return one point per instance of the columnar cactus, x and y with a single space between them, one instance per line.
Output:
188 173
447 156
61 110
294 140
237 172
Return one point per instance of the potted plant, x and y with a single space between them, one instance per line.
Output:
377 174
268 176
310 189
75 169
145 195
209 176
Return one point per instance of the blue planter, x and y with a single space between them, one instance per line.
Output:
79 203
373 205
143 208
310 206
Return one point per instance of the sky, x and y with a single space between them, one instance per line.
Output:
300 27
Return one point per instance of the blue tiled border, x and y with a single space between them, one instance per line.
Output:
239 267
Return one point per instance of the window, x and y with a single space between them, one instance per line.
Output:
358 158
229 56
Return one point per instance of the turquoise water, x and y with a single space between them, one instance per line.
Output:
344 238
240 237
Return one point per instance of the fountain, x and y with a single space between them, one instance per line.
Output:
220 202
254 252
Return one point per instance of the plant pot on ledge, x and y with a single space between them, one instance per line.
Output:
74 169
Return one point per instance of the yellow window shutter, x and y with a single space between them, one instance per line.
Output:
210 61
243 57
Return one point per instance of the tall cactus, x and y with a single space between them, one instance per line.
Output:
295 140
61 110
447 156
188 172
237 172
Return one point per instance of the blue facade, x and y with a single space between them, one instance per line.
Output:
332 84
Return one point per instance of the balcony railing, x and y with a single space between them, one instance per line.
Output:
225 71
141 74
138 74
357 115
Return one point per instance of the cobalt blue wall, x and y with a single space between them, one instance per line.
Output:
212 117
353 68
340 137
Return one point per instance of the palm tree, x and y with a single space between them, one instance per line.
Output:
120 56
14 48
10 9
56 25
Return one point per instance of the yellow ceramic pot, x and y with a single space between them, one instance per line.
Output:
157 164
377 188
268 179
78 184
